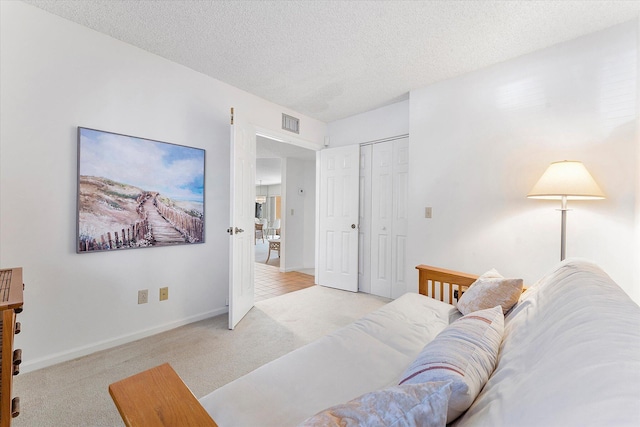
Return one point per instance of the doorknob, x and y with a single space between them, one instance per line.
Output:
239 230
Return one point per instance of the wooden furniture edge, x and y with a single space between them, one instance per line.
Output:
158 397
453 278
428 273
11 303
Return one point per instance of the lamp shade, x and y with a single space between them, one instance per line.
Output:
568 179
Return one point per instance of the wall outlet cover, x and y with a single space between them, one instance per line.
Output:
164 294
143 296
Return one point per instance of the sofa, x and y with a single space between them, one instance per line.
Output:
565 352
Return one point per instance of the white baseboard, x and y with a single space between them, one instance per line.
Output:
43 362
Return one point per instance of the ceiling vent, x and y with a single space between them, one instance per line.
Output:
290 123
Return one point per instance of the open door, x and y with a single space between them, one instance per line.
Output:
241 231
339 178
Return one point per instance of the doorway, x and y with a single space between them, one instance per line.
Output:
285 218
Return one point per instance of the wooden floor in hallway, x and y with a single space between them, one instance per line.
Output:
270 282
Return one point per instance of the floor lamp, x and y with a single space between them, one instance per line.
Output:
566 180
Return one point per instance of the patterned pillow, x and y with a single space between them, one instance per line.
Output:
407 405
465 352
489 290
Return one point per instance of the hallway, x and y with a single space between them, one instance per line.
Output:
270 282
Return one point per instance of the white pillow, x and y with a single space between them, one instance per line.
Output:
489 290
419 405
465 352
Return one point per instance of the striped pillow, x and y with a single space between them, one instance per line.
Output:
465 352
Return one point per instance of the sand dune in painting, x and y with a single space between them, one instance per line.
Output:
115 215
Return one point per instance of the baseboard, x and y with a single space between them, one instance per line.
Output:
43 362
290 269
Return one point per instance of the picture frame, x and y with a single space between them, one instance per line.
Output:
135 192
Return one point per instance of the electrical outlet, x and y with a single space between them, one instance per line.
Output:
143 296
164 294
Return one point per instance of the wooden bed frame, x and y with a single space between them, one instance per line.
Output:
159 398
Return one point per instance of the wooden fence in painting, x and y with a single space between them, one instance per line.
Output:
136 235
140 233
190 226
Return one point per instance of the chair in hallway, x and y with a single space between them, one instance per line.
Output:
259 233
274 245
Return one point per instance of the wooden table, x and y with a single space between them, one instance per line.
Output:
158 397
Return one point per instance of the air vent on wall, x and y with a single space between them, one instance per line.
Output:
290 123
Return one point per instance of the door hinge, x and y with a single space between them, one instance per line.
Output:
231 115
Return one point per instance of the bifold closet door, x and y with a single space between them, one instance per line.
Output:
400 217
381 217
364 231
388 224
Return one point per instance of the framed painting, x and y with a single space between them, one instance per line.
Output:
136 192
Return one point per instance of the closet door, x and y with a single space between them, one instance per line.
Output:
388 218
400 203
364 231
381 218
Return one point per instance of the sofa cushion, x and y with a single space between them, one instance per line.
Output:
489 290
465 353
570 356
367 355
423 405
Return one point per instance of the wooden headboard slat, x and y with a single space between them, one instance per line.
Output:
451 278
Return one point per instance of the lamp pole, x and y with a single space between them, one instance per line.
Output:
563 229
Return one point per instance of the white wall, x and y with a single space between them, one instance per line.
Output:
385 122
56 75
309 227
298 213
480 142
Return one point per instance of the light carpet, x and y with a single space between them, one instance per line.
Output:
205 354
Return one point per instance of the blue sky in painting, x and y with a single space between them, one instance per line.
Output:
173 170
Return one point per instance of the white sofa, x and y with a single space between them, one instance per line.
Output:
570 356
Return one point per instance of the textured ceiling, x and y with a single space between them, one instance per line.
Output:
333 59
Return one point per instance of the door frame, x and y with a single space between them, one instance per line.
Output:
286 138
250 189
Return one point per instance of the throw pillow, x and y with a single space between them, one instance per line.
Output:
465 352
489 290
423 405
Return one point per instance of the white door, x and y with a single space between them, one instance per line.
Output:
388 217
338 218
381 218
241 250
400 225
364 230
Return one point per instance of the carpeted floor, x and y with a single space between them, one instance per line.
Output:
205 354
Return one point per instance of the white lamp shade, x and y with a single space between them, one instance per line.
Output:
568 179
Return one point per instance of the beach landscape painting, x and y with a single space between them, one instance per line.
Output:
135 192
